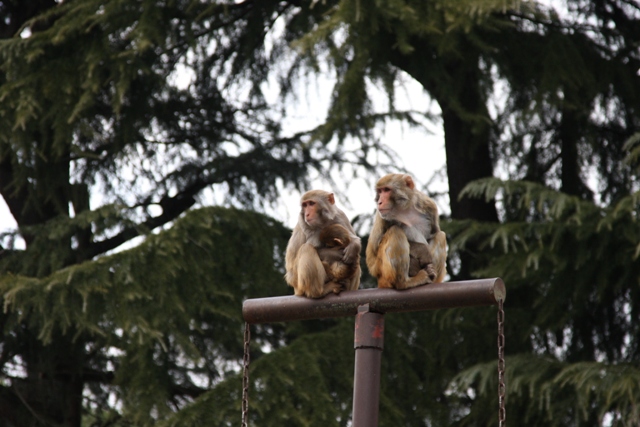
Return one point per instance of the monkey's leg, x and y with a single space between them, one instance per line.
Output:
342 272
422 278
332 261
403 280
421 259
393 259
343 275
414 266
328 270
311 273
439 250
354 281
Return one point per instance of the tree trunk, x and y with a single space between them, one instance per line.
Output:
571 127
455 82
50 393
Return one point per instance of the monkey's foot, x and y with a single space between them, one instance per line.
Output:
431 272
422 278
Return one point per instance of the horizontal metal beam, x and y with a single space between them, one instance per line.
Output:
466 293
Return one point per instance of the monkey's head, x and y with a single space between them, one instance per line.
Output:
335 236
394 194
316 208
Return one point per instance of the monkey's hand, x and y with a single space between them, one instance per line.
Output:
334 287
351 253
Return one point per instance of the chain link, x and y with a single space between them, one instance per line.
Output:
245 374
501 367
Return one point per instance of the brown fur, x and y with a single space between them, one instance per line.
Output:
335 238
406 246
305 270
420 258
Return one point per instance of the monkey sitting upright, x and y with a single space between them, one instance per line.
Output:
306 272
407 222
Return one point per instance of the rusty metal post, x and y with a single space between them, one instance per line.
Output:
368 344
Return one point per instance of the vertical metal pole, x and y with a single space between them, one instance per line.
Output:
368 344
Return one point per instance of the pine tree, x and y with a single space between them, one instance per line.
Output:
121 302
573 274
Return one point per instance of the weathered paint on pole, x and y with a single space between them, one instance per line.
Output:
368 344
466 293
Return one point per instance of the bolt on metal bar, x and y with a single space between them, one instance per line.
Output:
467 293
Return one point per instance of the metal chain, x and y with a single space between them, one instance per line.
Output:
501 367
245 374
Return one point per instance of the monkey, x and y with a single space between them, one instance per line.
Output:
420 259
335 238
405 216
305 272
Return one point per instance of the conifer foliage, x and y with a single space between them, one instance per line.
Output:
573 270
103 145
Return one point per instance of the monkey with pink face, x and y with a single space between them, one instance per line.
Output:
406 247
323 254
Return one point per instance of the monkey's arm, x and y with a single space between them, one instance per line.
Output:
375 237
352 251
429 211
295 242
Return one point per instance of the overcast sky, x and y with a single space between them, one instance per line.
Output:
420 151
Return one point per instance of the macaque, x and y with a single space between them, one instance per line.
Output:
420 259
406 224
306 272
335 238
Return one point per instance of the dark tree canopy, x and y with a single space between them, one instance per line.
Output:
100 145
122 293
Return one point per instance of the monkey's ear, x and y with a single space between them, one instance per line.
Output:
331 199
409 181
